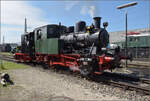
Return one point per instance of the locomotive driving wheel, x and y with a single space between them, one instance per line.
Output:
86 70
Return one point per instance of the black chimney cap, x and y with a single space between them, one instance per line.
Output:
97 22
97 18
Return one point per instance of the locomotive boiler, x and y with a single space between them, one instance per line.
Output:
86 37
83 50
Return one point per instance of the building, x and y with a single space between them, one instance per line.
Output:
120 35
7 47
138 42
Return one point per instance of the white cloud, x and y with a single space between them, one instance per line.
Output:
84 10
9 29
11 34
13 14
70 4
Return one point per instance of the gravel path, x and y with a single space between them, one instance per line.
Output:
36 84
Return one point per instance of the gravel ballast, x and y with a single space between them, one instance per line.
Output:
37 84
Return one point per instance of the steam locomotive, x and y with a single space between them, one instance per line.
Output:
84 50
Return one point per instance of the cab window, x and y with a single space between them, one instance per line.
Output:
53 32
39 34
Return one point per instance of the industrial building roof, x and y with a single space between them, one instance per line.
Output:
120 35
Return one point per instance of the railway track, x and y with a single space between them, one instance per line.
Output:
138 65
7 58
123 81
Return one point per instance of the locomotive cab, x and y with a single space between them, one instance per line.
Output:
47 39
27 44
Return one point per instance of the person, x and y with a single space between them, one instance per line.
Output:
5 79
3 82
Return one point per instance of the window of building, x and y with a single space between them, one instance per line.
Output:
131 39
137 39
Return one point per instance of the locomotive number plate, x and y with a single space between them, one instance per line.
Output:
85 63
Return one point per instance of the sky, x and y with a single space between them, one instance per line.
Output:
39 13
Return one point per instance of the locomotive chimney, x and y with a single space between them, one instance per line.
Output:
25 26
97 22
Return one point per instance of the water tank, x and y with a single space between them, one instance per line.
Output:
70 29
63 29
80 26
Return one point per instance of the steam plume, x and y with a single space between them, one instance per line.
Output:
92 11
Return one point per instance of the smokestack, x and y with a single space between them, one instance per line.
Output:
25 26
3 39
97 22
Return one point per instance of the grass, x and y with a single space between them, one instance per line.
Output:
5 65
6 53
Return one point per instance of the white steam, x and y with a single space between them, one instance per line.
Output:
91 10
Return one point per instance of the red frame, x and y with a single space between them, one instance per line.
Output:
22 57
65 60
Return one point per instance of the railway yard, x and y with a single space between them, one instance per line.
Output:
75 51
36 84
